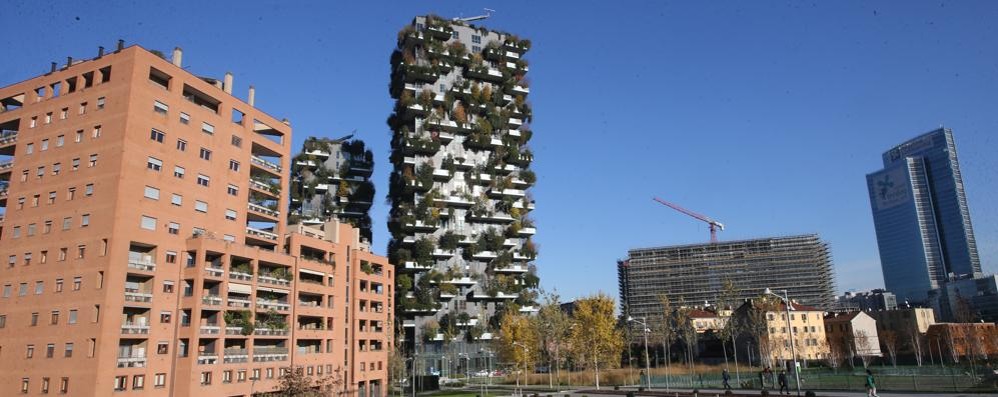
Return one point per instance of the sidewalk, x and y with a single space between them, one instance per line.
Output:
720 392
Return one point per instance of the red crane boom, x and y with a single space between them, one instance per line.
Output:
714 225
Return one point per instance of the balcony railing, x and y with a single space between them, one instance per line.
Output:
262 210
308 303
136 296
237 275
6 165
264 354
261 186
132 361
8 137
260 233
273 280
235 356
214 271
133 328
265 164
262 331
210 329
207 358
144 264
237 302
212 300
272 304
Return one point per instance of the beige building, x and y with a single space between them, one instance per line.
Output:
773 335
146 248
853 333
706 320
904 320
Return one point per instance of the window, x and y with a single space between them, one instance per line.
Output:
206 378
48 118
476 48
43 257
40 172
30 351
164 317
148 223
52 197
60 140
77 283
228 237
31 229
11 260
185 118
241 375
96 132
234 165
160 107
63 113
203 180
162 348
236 141
151 193
157 135
159 380
58 285
93 160
453 35
83 108
477 39
24 385
68 352
138 382
40 288
205 154
233 190
45 145
64 385
29 148
62 253
76 164
34 122
84 220
171 257
100 103
181 145
200 206
178 172
270 373
154 164
55 317
34 319
45 385
72 316
6 290
81 251
50 350
70 193
3 320
230 214
207 128
17 232
20 203
67 222
56 168
120 382
89 190
227 376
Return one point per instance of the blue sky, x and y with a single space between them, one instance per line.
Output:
764 115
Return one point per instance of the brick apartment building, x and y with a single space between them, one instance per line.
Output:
146 248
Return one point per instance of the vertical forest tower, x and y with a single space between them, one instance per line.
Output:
460 218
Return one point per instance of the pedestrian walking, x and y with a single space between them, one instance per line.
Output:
725 376
783 382
871 385
762 380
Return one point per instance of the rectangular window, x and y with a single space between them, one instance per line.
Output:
230 214
205 154
233 190
176 199
206 378
60 140
233 165
93 160
56 168
237 141
63 113
83 108
55 317
89 190
154 164
96 132
151 193
200 206
156 135
160 107
181 145
148 223
100 103
84 220
171 257
185 118
29 352
64 385
67 222
81 251
77 282
203 180
159 380
58 285
120 383
45 385
79 136
52 197
48 118
476 39
173 228
70 194
76 164
3 320
207 128
69 350
138 382
29 148
40 288
178 172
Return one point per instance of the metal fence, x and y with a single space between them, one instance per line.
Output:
979 379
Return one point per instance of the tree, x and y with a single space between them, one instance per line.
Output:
552 326
596 340
517 341
294 383
836 353
863 346
915 340
728 328
666 331
686 332
756 325
889 340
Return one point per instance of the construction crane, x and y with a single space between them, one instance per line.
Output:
714 225
488 13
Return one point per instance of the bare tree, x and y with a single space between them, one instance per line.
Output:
889 340
757 326
915 341
666 331
835 355
864 348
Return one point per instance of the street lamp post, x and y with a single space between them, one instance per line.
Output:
525 351
646 330
793 349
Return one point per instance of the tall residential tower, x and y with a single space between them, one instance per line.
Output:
921 216
146 245
460 224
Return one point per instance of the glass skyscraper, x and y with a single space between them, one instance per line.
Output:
920 212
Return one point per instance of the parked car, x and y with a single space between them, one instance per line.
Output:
481 374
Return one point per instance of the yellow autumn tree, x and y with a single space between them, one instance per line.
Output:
596 342
517 341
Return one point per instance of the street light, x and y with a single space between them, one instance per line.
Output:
525 351
793 350
646 331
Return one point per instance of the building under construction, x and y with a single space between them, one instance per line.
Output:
695 274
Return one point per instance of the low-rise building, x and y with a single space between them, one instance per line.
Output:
958 341
854 334
768 330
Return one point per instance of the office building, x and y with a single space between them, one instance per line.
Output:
695 274
921 216
147 248
966 299
460 218
877 299
330 178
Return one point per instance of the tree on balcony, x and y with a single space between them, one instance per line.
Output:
239 318
242 267
430 330
457 49
449 241
281 273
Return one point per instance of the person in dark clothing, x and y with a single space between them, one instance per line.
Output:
725 376
762 380
783 382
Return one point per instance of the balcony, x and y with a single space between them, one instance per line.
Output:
235 355
529 309
515 121
492 218
455 201
138 297
212 271
207 358
6 166
211 300
261 331
259 209
419 225
412 266
266 354
519 89
210 329
273 280
237 275
512 269
8 138
132 361
135 328
239 303
266 165
485 255
272 190
507 192
257 233
272 304
461 281
485 73
442 175
143 263
439 253
233 330
527 231
440 32
521 258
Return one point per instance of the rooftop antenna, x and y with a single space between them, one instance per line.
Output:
488 13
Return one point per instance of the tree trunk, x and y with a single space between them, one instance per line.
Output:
734 352
596 369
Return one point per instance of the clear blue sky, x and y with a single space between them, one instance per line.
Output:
764 115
